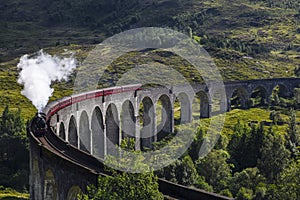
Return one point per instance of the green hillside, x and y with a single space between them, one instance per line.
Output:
248 39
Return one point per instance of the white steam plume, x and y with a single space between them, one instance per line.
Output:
38 72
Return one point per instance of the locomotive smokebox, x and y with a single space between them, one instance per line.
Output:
38 125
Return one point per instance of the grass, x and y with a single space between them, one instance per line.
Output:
11 194
276 29
253 115
244 68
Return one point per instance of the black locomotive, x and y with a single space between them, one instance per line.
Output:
38 125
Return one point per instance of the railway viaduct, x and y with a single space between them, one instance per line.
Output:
84 127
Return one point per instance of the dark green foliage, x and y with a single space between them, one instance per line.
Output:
226 193
274 156
202 184
244 146
280 3
288 185
182 171
244 194
124 186
14 155
234 44
196 144
275 116
215 169
249 178
169 172
293 135
11 123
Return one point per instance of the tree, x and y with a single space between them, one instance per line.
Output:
249 178
169 172
14 155
244 146
124 185
254 142
215 169
11 122
182 171
288 185
202 184
244 194
293 135
14 162
274 156
196 144
275 116
186 173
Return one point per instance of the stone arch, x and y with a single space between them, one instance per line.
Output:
73 192
201 105
127 120
62 131
259 96
184 109
282 90
84 132
239 98
164 126
73 134
112 128
279 91
50 188
147 122
98 138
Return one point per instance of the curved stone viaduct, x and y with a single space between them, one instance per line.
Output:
84 127
91 123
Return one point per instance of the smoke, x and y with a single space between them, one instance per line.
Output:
38 72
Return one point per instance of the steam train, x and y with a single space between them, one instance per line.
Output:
39 122
54 107
39 125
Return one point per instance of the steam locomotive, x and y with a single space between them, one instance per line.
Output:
38 125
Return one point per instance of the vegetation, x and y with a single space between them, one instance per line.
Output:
257 156
248 39
124 185
14 155
11 194
253 162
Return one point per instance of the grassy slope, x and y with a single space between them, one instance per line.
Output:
253 115
26 28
